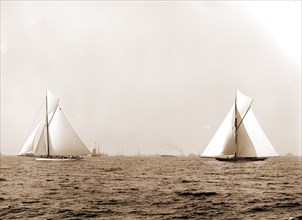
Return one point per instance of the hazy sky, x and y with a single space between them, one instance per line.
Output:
151 77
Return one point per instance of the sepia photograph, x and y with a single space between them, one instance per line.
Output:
148 109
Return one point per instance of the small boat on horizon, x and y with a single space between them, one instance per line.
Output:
96 151
240 136
53 138
167 155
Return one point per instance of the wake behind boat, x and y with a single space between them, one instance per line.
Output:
240 136
53 138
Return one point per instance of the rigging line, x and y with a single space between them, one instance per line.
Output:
32 124
57 105
245 115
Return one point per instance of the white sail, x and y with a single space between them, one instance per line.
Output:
63 138
28 147
248 141
223 142
251 140
243 103
41 145
52 101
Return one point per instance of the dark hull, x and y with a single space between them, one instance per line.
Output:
238 159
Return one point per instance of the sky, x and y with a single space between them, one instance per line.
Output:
151 77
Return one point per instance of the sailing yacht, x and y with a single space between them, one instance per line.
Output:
53 138
96 151
240 136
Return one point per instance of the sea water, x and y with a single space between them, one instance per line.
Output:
150 188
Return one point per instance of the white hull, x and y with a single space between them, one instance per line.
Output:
58 159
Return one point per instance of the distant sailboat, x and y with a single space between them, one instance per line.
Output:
240 136
53 138
96 151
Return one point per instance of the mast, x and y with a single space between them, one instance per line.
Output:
235 124
238 123
47 126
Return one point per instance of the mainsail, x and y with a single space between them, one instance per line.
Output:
240 134
53 136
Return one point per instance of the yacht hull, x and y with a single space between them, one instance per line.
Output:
238 159
58 159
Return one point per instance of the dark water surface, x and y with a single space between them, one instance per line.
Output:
150 188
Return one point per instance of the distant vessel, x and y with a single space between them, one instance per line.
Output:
240 136
54 138
167 155
96 151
